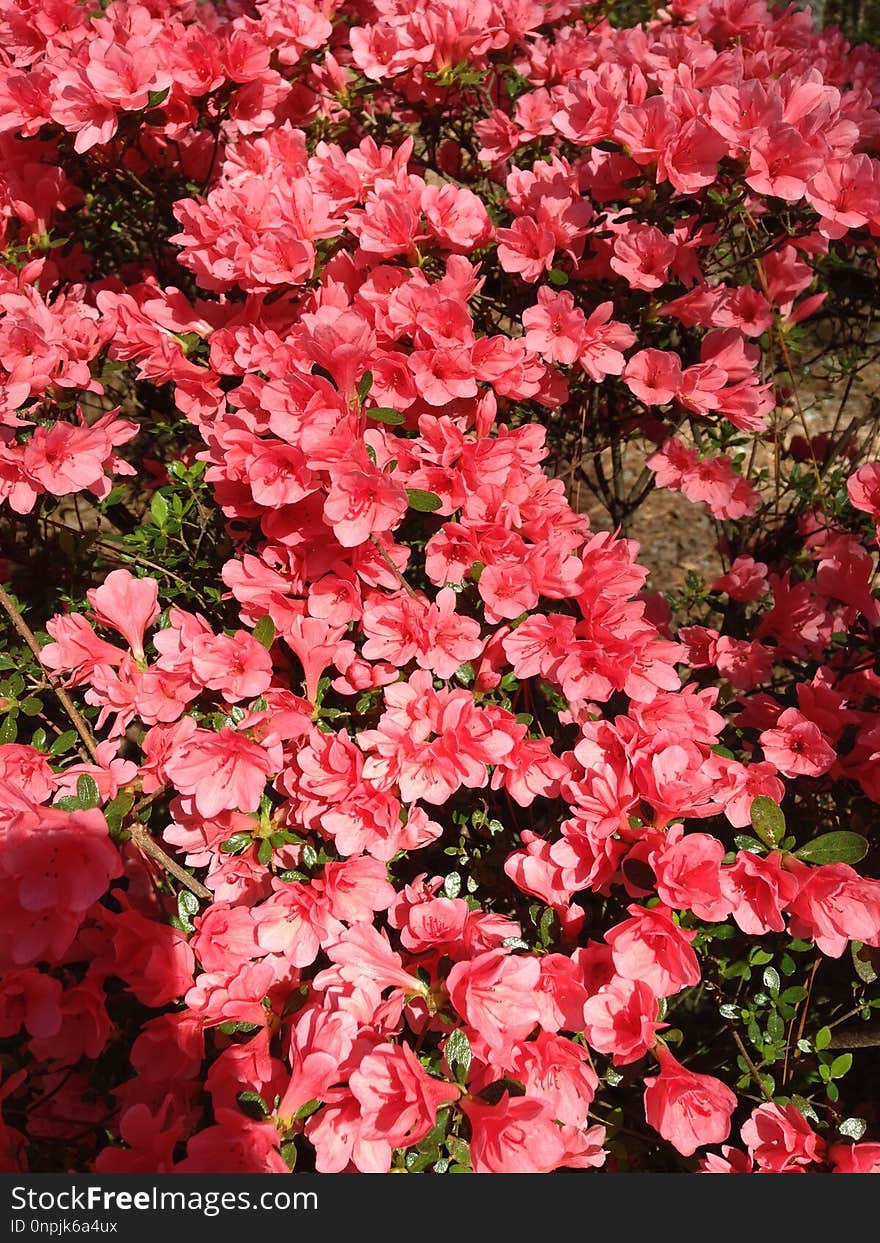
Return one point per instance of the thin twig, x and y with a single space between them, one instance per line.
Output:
141 837
392 567
753 1070
77 720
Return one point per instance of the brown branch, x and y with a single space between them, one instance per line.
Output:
77 720
753 1070
141 838
392 567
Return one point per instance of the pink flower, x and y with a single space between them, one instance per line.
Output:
780 1139
517 1136
689 1110
527 248
363 500
758 890
555 327
336 1134
654 376
603 341
855 1158
398 1099
223 771
688 871
127 604
621 1019
651 948
495 993
833 906
643 256
54 865
236 665
797 747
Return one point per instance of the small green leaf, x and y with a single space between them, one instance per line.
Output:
751 844
841 1065
853 1128
458 1055
264 631
365 385
424 502
840 847
116 811
9 728
264 852
31 706
87 791
452 885
155 98
187 907
823 1039
252 1104
159 509
306 1110
64 742
557 277
237 844
768 820
864 966
771 978
384 414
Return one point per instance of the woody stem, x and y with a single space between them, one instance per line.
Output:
76 718
141 838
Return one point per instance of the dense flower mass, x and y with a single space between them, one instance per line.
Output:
366 811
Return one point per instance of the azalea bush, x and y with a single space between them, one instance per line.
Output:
364 808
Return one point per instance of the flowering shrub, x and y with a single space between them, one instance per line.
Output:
362 809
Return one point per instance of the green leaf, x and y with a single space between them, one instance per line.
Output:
365 385
187 907
306 1110
751 844
452 885
264 852
237 844
840 847
116 811
771 978
458 1055
31 706
822 1039
252 1104
159 509
864 966
155 98
288 1154
557 277
424 502
459 1150
853 1128
87 791
384 414
768 820
841 1065
9 728
264 631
